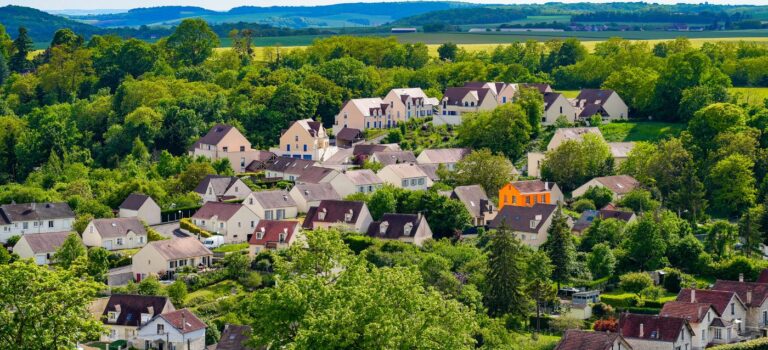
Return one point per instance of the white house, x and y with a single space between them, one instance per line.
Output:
605 103
656 332
445 156
179 329
141 206
115 234
28 218
310 195
349 215
232 220
405 175
556 105
162 258
472 97
123 314
305 139
619 185
409 228
356 181
40 246
214 188
273 234
272 205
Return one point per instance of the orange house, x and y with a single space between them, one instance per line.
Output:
528 193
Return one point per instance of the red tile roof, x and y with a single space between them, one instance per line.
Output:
693 312
574 339
271 230
654 327
718 298
751 293
184 320
763 278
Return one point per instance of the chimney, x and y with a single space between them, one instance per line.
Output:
34 205
741 277
641 331
749 296
183 320
546 186
693 295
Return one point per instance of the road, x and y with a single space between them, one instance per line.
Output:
170 230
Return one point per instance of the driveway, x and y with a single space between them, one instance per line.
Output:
170 230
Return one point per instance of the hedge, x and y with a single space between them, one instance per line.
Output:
757 344
189 226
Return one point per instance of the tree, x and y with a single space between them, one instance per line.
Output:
722 236
150 286
645 246
599 195
381 202
636 87
481 167
447 51
635 282
560 248
712 120
45 308
506 276
177 291
193 174
531 101
237 265
192 42
601 261
70 250
539 285
582 205
751 231
504 130
19 62
98 263
674 173
575 162
733 184
698 97
4 70
639 200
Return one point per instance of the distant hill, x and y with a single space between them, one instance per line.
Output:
40 25
339 15
471 15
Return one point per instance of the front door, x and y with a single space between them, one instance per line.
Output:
108 245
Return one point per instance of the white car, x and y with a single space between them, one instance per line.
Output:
213 241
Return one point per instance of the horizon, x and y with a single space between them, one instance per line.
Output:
225 5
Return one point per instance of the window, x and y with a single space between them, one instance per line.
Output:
250 201
112 333
242 148
226 149
268 214
413 182
50 223
504 99
239 224
34 224
361 189
25 225
370 188
112 316
305 147
528 200
119 241
296 138
160 329
221 225
718 333
421 181
280 214
405 183
172 264
253 224
288 148
733 311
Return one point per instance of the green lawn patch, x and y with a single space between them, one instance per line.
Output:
212 292
229 248
640 131
544 342
750 95
128 252
569 93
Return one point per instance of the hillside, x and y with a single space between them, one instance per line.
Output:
339 15
41 25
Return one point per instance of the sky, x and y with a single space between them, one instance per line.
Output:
223 5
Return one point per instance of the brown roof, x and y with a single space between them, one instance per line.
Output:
10 213
616 214
395 157
395 225
519 218
763 278
234 337
366 149
180 248
693 312
314 128
550 98
46 242
272 230
532 186
132 306
317 192
261 160
183 320
430 170
119 227
274 199
474 199
215 135
333 211
654 327
574 339
349 134
719 299
759 291
543 88
446 155
134 201
314 174
456 94
363 177
224 211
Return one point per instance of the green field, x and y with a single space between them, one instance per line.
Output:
640 131
753 95
569 93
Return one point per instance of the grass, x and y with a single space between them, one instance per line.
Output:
229 248
639 131
128 252
569 93
544 342
212 292
751 95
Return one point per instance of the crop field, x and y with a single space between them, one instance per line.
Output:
752 95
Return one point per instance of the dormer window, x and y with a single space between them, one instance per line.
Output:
407 228
112 316
260 234
383 227
533 224
145 318
282 237
321 214
348 216
160 329
296 138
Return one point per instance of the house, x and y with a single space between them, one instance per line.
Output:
410 228
214 188
575 339
700 316
226 142
364 150
431 171
234 337
619 150
272 205
755 298
392 157
310 195
162 258
407 103
655 332
542 88
316 175
351 215
588 217
728 304
529 224
40 246
556 105
29 218
115 234
363 113
305 139
618 184
234 221
273 234
472 97
341 160
140 206
346 137
287 168
179 329
477 203
123 315
603 102
529 192
260 160
356 181
446 156
502 92
405 175
571 134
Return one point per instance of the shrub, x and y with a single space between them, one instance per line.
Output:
561 324
186 224
599 195
757 344
652 293
675 280
251 281
602 309
635 282
606 325
582 205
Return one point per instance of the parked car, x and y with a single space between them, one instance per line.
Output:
213 241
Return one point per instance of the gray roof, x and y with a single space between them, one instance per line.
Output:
363 177
132 306
594 96
454 95
215 135
10 213
234 337
445 155
518 218
314 174
334 211
394 157
474 199
119 227
180 248
550 98
620 184
288 164
45 242
317 192
134 201
395 227
219 183
274 199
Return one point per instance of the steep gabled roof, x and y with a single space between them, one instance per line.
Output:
34 211
219 183
395 157
288 164
405 170
455 95
224 211
719 299
215 135
349 134
394 225
234 337
119 227
594 96
693 312
317 192
180 248
272 230
445 155
541 87
132 306
474 198
753 294
619 184
314 174
520 218
45 242
273 199
655 327
550 98
134 201
574 339
333 211
363 177
183 320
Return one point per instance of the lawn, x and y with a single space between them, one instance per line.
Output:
544 342
751 95
212 292
569 93
640 131
229 248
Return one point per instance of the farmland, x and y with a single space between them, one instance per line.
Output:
753 95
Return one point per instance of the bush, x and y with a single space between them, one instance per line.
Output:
674 280
582 205
757 344
602 309
606 325
635 282
652 293
186 224
599 195
251 281
564 323
358 243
